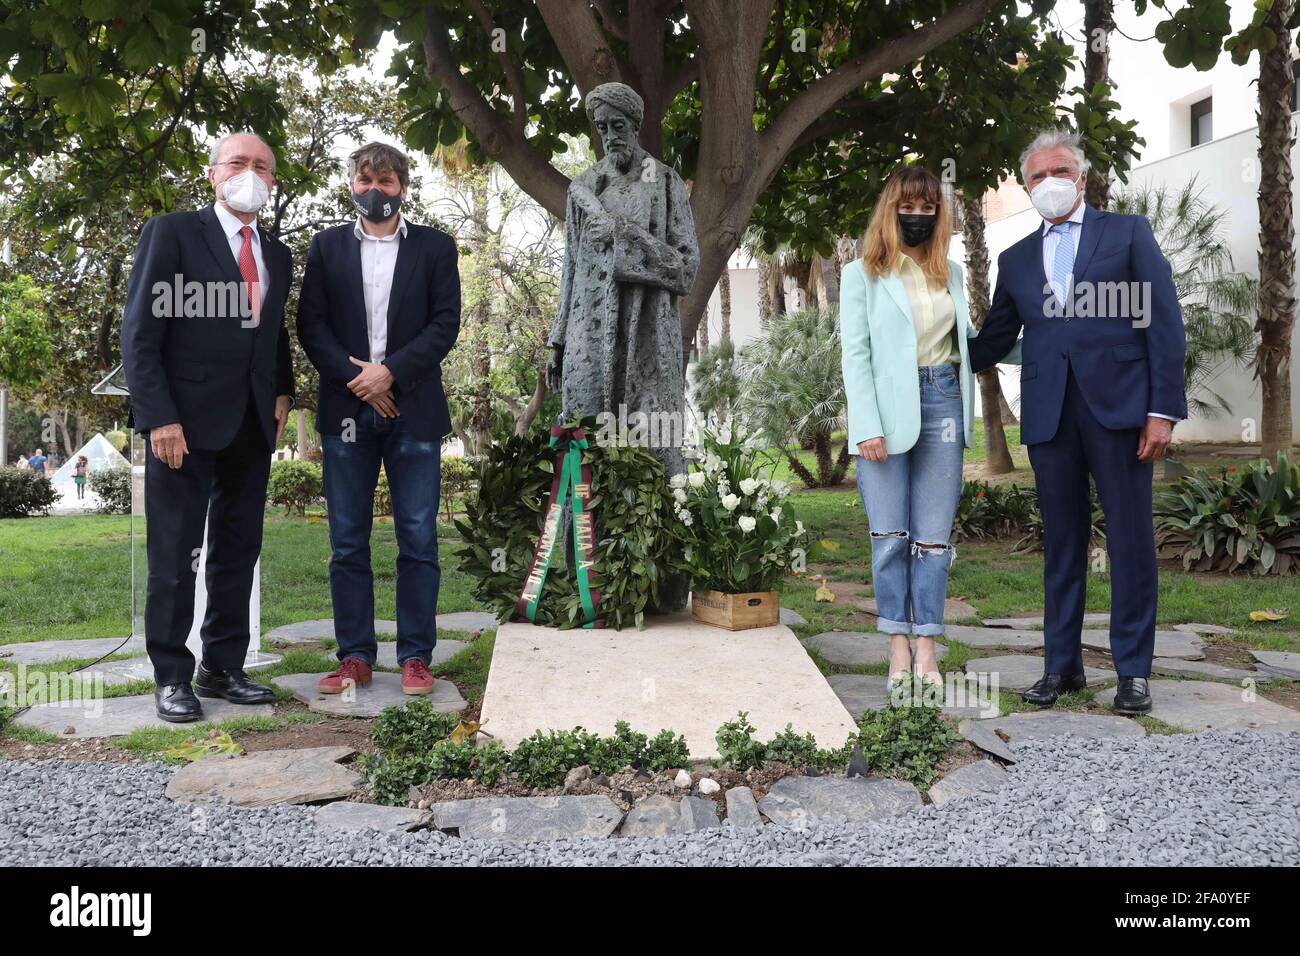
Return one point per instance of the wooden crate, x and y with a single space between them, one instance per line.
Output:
736 612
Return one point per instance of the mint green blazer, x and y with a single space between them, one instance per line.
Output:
878 358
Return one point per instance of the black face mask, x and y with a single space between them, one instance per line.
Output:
916 230
376 205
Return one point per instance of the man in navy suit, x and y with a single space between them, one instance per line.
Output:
1101 386
378 312
206 356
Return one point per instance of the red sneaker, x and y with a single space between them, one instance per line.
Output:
416 678
350 673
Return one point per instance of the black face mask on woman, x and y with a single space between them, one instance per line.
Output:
916 229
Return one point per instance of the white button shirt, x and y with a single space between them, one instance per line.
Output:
231 225
1050 240
378 259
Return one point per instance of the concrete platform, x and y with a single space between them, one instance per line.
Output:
676 674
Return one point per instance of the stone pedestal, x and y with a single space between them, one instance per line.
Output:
677 674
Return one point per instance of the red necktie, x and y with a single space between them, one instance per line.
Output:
248 271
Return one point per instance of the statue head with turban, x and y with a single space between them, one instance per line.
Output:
617 110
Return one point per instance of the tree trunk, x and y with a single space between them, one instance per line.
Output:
822 453
702 336
524 420
724 301
1008 416
997 456
764 290
1098 23
1276 236
481 418
300 426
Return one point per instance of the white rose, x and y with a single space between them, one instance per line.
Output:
724 436
687 520
747 523
776 515
779 488
677 481
696 479
680 495
798 526
730 502
748 486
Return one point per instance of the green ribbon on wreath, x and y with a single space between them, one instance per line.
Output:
572 482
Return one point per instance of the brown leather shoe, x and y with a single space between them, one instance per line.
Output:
352 672
416 678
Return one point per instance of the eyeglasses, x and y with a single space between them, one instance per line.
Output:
242 164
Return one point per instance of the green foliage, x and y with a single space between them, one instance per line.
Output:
1235 520
383 500
737 746
26 345
117 439
735 524
543 759
665 751
992 511
502 523
23 494
390 778
907 740
456 481
412 729
113 488
715 380
490 763
295 484
625 749
1032 539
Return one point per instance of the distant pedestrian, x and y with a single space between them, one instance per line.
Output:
37 462
80 472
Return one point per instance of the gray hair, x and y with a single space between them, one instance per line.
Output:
215 154
1052 139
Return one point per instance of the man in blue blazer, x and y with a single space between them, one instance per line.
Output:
1101 386
206 355
378 312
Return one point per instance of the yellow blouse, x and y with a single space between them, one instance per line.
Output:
933 314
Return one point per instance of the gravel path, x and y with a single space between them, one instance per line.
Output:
1212 798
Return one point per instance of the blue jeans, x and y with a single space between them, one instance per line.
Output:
911 500
351 473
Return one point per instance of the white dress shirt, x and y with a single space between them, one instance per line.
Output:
231 225
378 259
1050 241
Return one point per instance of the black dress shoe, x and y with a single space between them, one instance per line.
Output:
233 686
176 703
1052 686
1133 696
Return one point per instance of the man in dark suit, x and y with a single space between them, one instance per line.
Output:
1101 386
378 312
206 355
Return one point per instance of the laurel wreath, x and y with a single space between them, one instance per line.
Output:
634 551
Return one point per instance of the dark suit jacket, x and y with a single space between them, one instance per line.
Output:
423 322
1124 370
199 370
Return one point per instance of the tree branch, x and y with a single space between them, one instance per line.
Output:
609 19
514 77
581 42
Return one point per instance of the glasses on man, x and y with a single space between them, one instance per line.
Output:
241 164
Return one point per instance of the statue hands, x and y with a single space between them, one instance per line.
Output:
600 230
555 367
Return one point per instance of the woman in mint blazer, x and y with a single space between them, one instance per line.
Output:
903 326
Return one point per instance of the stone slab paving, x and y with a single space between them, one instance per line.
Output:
1021 671
384 690
267 777
1168 643
140 668
1177 667
792 618
345 815
862 692
1095 619
119 716
443 651
527 819
652 816
44 652
698 814
742 810
543 678
1281 663
805 801
300 632
983 776
993 636
1203 705
1042 724
855 648
1204 629
954 609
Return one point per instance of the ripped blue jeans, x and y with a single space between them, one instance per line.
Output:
911 499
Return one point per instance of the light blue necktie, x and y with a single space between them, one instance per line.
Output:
1063 264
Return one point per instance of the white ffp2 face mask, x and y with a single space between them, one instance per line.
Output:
245 192
1054 197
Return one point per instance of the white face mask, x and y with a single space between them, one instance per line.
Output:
1054 197
245 192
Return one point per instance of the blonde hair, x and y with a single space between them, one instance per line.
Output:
882 243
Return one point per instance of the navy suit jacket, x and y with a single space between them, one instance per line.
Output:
1127 360
423 322
199 370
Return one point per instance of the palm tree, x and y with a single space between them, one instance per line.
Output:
1216 301
1098 22
715 380
793 390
